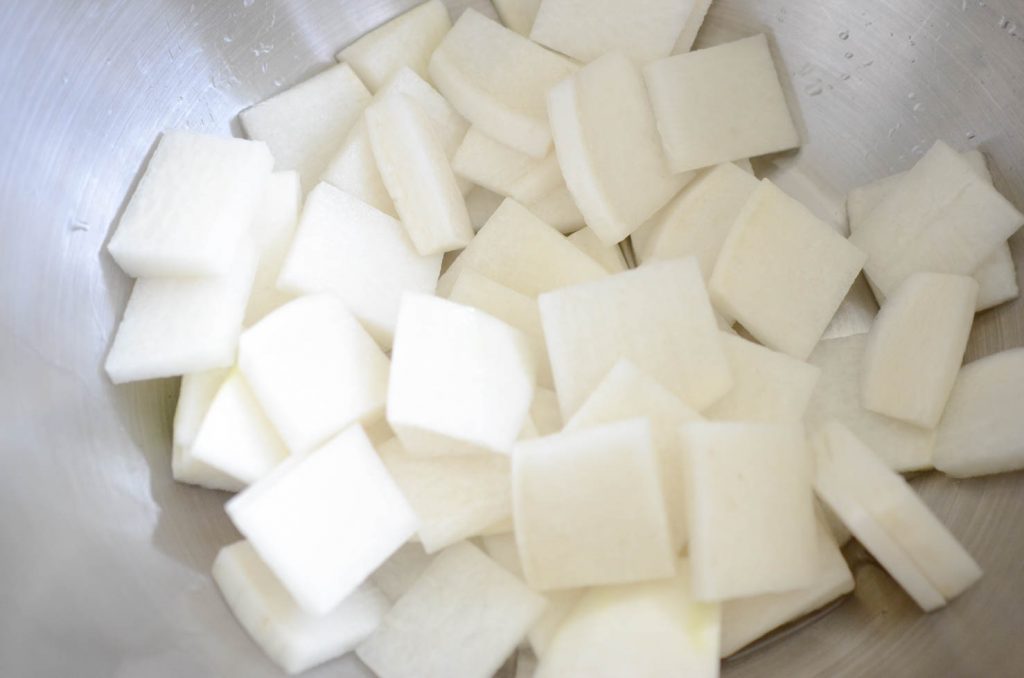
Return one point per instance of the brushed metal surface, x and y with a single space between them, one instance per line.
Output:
104 560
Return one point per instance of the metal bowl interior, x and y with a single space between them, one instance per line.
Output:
105 559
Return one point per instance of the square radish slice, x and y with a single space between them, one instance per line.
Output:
272 232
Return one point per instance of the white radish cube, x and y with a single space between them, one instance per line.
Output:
194 397
545 411
916 346
609 256
750 507
516 309
499 81
589 508
461 380
768 386
455 497
272 231
997 279
643 30
192 207
523 253
558 208
292 638
981 430
415 169
720 104
463 618
744 620
361 255
608 147
407 41
658 316
314 370
324 521
504 170
481 204
305 125
517 15
941 217
626 393
782 272
698 220
647 629
175 326
236 438
694 20
903 446
399 572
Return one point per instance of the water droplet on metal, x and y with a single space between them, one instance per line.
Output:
918 106
844 35
247 3
971 135
844 76
228 38
848 55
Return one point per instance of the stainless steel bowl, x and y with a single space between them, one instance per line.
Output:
104 560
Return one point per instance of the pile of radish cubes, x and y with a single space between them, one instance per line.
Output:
460 426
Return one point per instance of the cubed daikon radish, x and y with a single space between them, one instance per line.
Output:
401 570
916 346
982 430
720 104
517 14
608 148
558 208
589 509
324 521
744 620
498 80
767 386
504 170
175 326
523 253
545 411
192 207
609 256
941 217
507 305
194 397
306 124
272 231
750 507
646 629
694 20
587 29
658 316
463 617
625 393
415 169
314 370
294 639
407 41
903 446
782 272
455 497
461 380
361 255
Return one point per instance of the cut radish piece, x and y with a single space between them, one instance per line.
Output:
293 639
455 497
236 438
175 326
750 508
324 521
509 306
461 381
504 170
545 412
314 369
415 169
306 124
558 208
744 620
517 14
272 231
463 618
782 272
698 220
588 508
981 430
399 572
942 217
916 346
720 104
523 253
499 80
768 386
695 19
608 147
192 208
649 629
625 393
587 29
824 201
658 316
345 247
194 398
609 256
407 41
